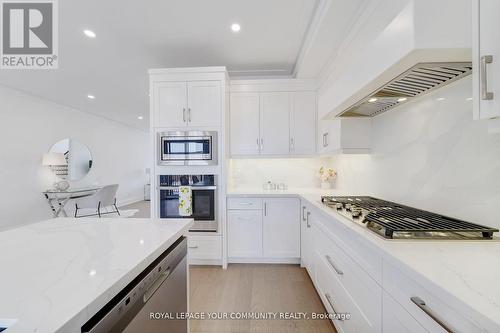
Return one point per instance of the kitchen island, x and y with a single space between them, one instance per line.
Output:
58 273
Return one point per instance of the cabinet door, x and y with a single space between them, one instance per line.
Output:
303 123
204 103
170 104
244 124
307 240
395 319
244 233
275 123
486 43
281 228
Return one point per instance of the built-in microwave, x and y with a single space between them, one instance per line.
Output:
188 148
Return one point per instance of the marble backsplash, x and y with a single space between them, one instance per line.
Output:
295 172
431 154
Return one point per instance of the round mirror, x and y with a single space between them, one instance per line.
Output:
69 159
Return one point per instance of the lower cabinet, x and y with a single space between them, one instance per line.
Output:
396 319
263 229
244 233
204 249
281 228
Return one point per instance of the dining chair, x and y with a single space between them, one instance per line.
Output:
102 199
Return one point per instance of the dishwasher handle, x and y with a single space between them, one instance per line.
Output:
156 285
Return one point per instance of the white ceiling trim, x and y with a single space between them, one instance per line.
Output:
312 31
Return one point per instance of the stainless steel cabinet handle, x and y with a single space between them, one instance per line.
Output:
258 145
157 284
303 213
184 114
330 301
485 94
421 304
193 247
307 219
292 145
246 203
241 218
189 114
330 261
261 144
265 209
326 139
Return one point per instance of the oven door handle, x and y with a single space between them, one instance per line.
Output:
194 188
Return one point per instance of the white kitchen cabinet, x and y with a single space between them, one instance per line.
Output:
204 103
303 123
281 228
275 123
244 233
181 104
170 104
204 249
486 58
244 124
395 319
307 239
344 135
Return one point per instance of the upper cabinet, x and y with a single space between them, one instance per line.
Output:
303 123
486 58
275 123
272 119
187 97
345 136
196 103
244 124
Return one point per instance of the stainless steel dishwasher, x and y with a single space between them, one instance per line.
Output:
160 291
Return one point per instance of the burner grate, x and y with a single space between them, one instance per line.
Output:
394 217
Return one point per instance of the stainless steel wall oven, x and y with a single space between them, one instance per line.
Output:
204 194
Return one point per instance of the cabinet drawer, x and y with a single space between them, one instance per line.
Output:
244 233
353 244
244 203
337 299
396 319
204 247
408 293
363 294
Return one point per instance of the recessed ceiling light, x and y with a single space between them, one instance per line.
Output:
90 96
92 272
235 27
140 117
402 99
468 99
441 99
372 100
89 33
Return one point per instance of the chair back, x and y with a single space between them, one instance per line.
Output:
107 195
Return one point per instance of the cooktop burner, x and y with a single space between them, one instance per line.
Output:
395 221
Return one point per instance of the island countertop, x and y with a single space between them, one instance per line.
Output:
57 273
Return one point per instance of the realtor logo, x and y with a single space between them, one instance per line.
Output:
29 34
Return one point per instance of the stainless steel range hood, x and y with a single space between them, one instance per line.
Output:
416 81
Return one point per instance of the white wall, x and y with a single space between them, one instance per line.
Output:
432 155
295 172
29 126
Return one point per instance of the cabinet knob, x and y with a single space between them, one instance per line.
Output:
485 94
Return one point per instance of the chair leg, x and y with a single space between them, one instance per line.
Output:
99 209
76 210
117 210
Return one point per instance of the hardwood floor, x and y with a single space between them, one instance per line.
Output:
255 288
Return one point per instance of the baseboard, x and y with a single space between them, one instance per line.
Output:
263 260
203 262
129 201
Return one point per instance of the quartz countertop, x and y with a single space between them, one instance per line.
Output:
465 273
58 273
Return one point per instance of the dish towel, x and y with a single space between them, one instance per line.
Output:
185 201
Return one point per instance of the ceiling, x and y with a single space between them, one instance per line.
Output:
133 36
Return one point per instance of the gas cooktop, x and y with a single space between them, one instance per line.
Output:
394 221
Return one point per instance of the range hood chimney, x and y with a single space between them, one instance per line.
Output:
416 81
